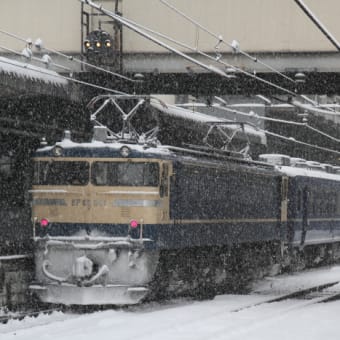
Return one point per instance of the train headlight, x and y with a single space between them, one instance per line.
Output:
133 224
98 44
44 222
125 151
58 151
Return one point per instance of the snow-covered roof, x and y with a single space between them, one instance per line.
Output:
114 146
28 71
294 172
294 167
199 117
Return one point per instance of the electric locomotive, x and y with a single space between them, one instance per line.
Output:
123 218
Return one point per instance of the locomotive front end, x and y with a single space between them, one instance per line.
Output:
94 208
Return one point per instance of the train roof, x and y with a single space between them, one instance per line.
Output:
189 154
299 172
276 164
101 147
68 148
299 167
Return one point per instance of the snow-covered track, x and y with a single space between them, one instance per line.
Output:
307 294
330 297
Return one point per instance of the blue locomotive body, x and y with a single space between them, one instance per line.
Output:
117 211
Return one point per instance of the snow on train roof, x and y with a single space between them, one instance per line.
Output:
294 167
282 163
294 172
199 117
29 71
115 146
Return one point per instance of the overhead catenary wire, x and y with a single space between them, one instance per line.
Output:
222 41
310 14
318 23
293 140
281 121
98 68
131 25
193 49
210 68
33 58
28 66
314 108
316 104
71 58
290 139
119 92
294 103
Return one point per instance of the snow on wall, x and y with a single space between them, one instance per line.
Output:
24 70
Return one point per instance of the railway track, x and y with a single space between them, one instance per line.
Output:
322 292
315 294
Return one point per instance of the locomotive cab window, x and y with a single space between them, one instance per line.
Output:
125 174
61 173
164 181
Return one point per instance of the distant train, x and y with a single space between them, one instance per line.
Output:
118 220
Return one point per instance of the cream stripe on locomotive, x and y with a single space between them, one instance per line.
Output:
104 204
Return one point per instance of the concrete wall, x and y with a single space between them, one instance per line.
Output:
57 22
259 25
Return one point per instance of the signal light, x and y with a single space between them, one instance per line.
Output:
87 44
44 222
133 224
99 47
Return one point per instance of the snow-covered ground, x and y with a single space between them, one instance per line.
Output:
225 317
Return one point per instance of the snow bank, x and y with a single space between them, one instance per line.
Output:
208 320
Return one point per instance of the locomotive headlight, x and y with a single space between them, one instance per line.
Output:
98 44
125 151
58 151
